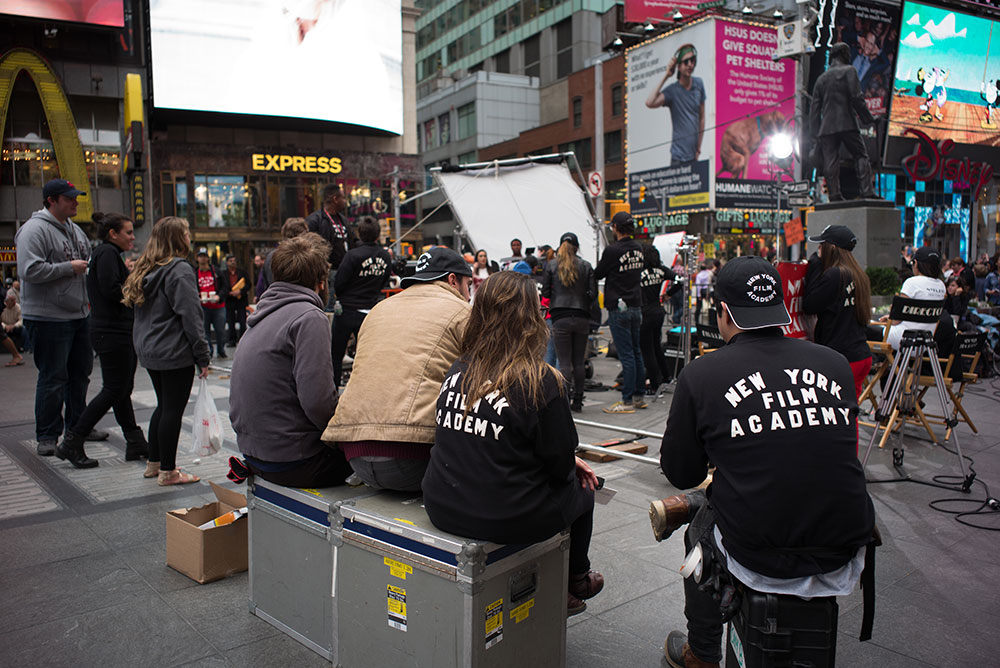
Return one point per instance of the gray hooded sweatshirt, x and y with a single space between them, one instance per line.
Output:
50 289
168 331
282 393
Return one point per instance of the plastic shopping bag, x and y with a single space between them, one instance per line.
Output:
207 428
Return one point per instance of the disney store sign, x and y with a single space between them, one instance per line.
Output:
930 161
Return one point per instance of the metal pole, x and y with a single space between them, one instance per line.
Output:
599 134
625 430
618 453
397 246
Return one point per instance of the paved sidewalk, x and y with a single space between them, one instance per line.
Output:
83 579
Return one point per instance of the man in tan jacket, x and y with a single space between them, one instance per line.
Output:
384 422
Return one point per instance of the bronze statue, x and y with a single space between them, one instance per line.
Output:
837 104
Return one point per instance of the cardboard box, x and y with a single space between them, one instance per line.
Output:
205 555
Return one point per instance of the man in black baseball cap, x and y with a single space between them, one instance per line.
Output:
52 259
787 508
385 419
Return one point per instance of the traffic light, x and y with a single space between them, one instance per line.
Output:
747 223
642 194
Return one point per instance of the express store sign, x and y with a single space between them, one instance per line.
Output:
931 161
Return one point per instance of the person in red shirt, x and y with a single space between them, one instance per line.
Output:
212 288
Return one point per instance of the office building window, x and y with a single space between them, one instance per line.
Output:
444 128
564 48
613 146
467 120
581 149
467 158
533 56
577 112
616 100
430 135
501 62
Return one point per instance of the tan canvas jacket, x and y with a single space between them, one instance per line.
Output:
406 345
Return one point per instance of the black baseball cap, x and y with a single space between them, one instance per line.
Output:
571 238
437 263
926 254
750 286
838 235
57 187
623 221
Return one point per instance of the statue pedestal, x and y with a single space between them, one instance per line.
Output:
876 224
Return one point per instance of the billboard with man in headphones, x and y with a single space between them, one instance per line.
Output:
704 103
671 101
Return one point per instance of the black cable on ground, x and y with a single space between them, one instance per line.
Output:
987 506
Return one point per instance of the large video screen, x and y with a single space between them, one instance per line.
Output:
947 77
97 12
330 60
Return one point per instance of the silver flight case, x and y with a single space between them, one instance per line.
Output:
408 594
291 559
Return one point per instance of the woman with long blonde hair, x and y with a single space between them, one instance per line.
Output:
168 338
503 467
569 284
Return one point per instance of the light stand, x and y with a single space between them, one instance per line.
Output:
689 251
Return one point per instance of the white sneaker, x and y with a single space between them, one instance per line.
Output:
619 407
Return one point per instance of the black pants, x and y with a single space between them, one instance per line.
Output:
651 343
570 337
580 531
704 621
173 388
236 315
327 469
345 324
118 364
830 147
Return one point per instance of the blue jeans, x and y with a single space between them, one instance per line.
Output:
625 331
215 317
64 360
550 351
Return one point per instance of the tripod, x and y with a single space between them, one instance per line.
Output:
900 399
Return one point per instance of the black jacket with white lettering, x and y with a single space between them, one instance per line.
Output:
621 264
788 491
830 296
364 271
513 487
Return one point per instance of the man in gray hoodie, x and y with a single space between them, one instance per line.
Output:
285 354
52 256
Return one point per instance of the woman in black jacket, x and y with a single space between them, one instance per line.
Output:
569 285
838 292
111 336
503 468
651 331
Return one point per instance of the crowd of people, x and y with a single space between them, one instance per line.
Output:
464 384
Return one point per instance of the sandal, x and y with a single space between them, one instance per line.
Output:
586 585
18 362
176 477
152 470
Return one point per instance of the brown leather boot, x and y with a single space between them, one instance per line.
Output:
669 514
679 654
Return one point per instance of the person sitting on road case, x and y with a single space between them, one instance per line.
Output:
384 422
285 358
503 467
787 508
